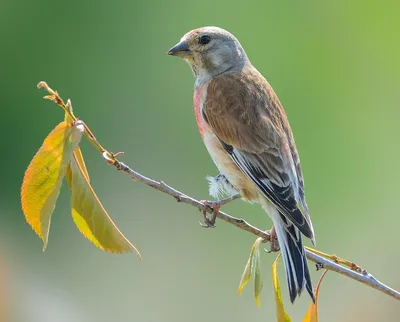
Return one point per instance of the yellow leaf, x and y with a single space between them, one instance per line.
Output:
90 216
281 315
88 213
43 178
312 313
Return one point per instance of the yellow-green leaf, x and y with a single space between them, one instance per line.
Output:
245 276
77 154
79 159
258 284
253 268
90 216
281 314
43 178
312 313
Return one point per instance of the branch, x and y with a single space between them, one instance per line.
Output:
363 277
322 260
356 273
181 197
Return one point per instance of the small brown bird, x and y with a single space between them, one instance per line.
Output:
248 136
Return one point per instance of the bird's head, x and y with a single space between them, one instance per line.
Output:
210 51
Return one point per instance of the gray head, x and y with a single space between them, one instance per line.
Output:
210 51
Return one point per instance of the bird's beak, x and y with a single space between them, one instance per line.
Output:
181 49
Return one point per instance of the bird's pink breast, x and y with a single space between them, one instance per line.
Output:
197 99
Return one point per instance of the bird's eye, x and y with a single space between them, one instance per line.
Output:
204 39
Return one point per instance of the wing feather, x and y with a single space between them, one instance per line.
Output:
245 114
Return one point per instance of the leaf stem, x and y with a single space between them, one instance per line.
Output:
56 98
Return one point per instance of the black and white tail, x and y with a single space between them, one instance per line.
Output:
294 257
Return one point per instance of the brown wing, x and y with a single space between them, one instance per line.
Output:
246 115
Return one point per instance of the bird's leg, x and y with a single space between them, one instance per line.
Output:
273 241
215 206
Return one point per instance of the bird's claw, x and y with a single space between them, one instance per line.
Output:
210 222
215 206
273 241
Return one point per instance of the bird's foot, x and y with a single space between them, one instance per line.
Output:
209 222
273 241
215 206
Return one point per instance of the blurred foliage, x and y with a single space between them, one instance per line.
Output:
335 67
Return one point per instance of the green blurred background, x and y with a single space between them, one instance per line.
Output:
335 66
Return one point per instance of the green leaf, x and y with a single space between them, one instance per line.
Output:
253 268
281 314
258 284
245 276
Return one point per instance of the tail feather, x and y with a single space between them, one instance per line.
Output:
294 258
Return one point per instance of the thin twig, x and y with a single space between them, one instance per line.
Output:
313 255
181 197
363 277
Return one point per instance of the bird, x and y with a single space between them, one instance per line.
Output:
248 136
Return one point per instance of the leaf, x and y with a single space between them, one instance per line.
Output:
90 216
312 313
43 178
77 154
281 315
79 159
258 284
88 213
245 276
253 268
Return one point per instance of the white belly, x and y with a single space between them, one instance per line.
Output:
228 168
